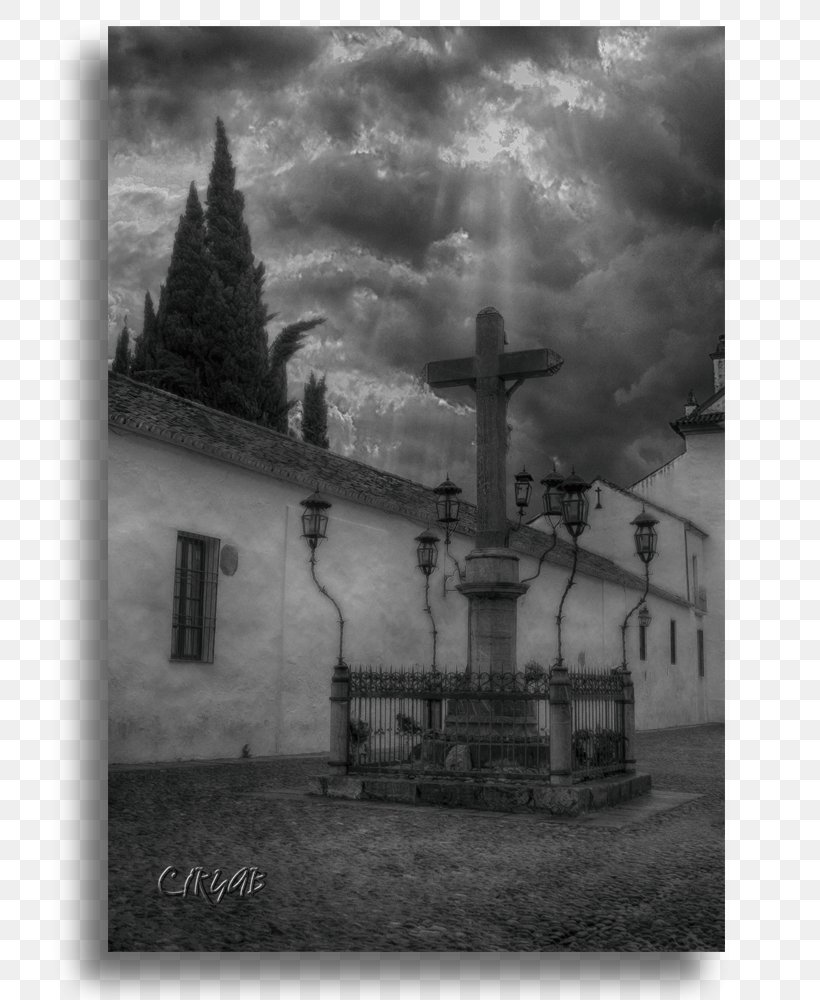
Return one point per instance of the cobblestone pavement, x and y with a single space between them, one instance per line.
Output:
355 876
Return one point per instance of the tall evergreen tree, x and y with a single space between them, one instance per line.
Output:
144 360
314 412
237 314
181 322
209 339
122 353
276 404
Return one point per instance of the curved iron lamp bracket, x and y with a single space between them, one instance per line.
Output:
323 590
570 582
623 666
544 555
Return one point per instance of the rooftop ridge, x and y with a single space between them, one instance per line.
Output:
160 415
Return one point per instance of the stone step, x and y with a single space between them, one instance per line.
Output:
498 796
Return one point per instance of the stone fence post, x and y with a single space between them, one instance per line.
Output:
628 703
560 726
339 718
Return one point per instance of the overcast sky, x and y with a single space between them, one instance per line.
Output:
398 180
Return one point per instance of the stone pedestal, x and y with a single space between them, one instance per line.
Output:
491 586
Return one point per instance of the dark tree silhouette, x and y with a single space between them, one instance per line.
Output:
122 354
314 412
181 353
277 405
145 346
208 340
235 311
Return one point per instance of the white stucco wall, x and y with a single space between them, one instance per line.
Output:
277 636
665 694
693 483
612 534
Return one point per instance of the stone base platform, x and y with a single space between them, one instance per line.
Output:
498 796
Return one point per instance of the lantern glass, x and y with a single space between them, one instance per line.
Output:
448 509
427 552
314 519
575 508
646 538
553 497
644 617
448 506
523 489
575 505
314 526
645 543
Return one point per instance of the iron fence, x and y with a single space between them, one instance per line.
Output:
456 723
451 723
598 723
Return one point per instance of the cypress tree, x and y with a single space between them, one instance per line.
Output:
180 329
145 346
209 339
122 354
314 413
236 313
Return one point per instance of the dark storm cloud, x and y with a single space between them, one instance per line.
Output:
420 91
170 76
662 169
210 57
546 47
635 338
397 180
386 206
404 208
693 99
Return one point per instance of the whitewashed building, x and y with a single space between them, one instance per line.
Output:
219 638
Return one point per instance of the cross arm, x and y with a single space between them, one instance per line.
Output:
529 364
443 374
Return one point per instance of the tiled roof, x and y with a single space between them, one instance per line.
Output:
700 418
144 410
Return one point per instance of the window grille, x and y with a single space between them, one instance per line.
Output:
642 640
673 643
194 614
701 656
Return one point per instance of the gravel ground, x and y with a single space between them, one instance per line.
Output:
354 876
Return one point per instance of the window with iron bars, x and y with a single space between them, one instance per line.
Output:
193 625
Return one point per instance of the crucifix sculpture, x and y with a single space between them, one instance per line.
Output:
491 580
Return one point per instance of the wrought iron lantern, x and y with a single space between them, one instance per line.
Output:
574 505
646 538
553 497
314 529
644 617
314 518
523 490
427 551
448 506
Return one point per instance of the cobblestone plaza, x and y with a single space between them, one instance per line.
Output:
355 876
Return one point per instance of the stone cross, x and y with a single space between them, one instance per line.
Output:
486 373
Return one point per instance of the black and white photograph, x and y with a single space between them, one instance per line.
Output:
415 456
